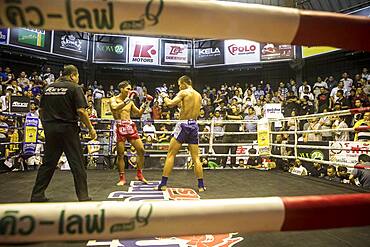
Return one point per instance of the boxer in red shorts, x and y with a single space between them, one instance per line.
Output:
121 107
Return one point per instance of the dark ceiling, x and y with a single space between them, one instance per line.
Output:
342 6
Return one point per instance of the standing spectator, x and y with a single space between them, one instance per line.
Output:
302 88
326 124
48 76
347 82
251 125
313 126
98 94
149 130
319 84
282 91
362 128
308 93
112 92
5 99
365 74
22 80
339 123
356 116
322 100
292 86
333 93
331 82
342 100
156 111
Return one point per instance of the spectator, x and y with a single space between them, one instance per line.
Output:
339 123
251 125
365 74
362 128
298 168
346 81
342 174
331 174
98 94
302 88
343 101
362 175
313 126
22 80
316 170
319 84
48 76
156 111
149 130
307 92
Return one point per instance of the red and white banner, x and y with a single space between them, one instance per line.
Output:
350 156
143 50
241 51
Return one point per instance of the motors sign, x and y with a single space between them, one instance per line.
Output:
143 50
240 51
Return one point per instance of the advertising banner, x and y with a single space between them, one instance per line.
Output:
30 135
3 36
273 110
144 51
270 52
110 49
19 104
35 39
71 44
208 53
348 156
239 51
176 52
309 153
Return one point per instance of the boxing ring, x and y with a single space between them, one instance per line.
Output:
258 201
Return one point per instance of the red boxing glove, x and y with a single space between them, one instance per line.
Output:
149 98
133 94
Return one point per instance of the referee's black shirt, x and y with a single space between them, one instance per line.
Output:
60 102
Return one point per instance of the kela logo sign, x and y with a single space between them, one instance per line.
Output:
209 52
70 42
141 192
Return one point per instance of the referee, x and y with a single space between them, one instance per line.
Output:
61 105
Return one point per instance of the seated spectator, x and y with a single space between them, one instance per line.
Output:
342 173
298 168
331 174
316 170
362 175
254 161
164 137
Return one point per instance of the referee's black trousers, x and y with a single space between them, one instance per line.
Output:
59 138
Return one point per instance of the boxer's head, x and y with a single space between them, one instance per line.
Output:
124 87
184 82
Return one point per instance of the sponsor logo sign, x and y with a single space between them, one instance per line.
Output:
3 35
143 50
19 104
209 52
238 51
71 44
110 49
142 192
176 52
271 52
350 156
36 39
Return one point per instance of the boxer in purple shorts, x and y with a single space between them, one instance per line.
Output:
186 131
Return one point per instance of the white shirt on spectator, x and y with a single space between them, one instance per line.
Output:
149 130
334 91
300 171
98 94
347 83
